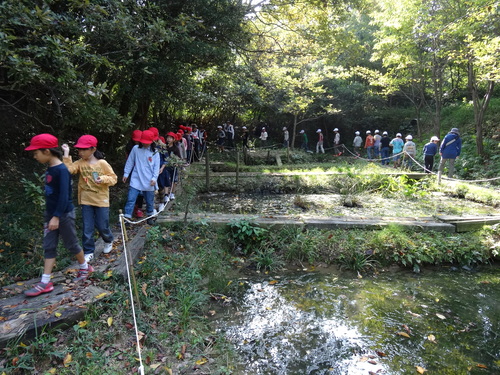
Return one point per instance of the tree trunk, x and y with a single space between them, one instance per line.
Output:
294 130
479 105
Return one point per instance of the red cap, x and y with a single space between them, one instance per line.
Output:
147 137
86 141
182 127
162 139
172 134
189 129
155 132
178 137
136 135
44 140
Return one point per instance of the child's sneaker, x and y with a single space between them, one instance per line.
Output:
89 257
172 196
166 199
38 289
83 274
107 248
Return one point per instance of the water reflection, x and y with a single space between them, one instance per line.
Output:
311 323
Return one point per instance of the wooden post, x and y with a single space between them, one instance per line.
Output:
207 170
237 168
124 228
288 154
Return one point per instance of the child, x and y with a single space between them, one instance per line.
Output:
319 144
59 216
369 144
397 147
96 176
430 151
410 151
142 166
357 142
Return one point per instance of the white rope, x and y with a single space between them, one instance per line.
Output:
141 367
449 178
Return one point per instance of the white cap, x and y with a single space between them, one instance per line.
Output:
243 127
357 133
336 129
434 138
318 131
302 132
219 127
385 133
263 128
368 132
398 135
409 137
376 132
284 128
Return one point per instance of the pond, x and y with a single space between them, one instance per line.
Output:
444 321
371 205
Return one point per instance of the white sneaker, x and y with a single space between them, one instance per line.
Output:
165 199
89 257
107 248
161 207
172 196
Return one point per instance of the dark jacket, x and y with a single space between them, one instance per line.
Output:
451 146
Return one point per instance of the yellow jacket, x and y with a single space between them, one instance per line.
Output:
89 192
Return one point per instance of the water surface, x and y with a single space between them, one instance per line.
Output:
444 321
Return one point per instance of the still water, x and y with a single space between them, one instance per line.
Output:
444 321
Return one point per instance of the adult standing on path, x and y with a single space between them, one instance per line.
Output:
229 134
336 142
319 145
376 145
450 150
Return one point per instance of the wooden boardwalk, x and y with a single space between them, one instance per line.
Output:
22 316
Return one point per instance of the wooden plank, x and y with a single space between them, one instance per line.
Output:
25 317
135 248
424 224
278 160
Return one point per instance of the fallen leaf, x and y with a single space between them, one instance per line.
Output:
53 370
431 338
144 287
404 334
407 329
381 354
14 361
440 316
83 323
3 318
212 312
23 345
154 366
58 314
229 282
372 362
272 282
20 283
99 296
420 370
414 314
481 365
110 321
88 355
201 361
67 360
167 293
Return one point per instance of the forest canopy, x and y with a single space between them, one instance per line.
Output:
107 67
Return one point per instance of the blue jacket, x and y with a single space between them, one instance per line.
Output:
451 146
430 149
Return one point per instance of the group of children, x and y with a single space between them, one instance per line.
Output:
381 147
151 165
